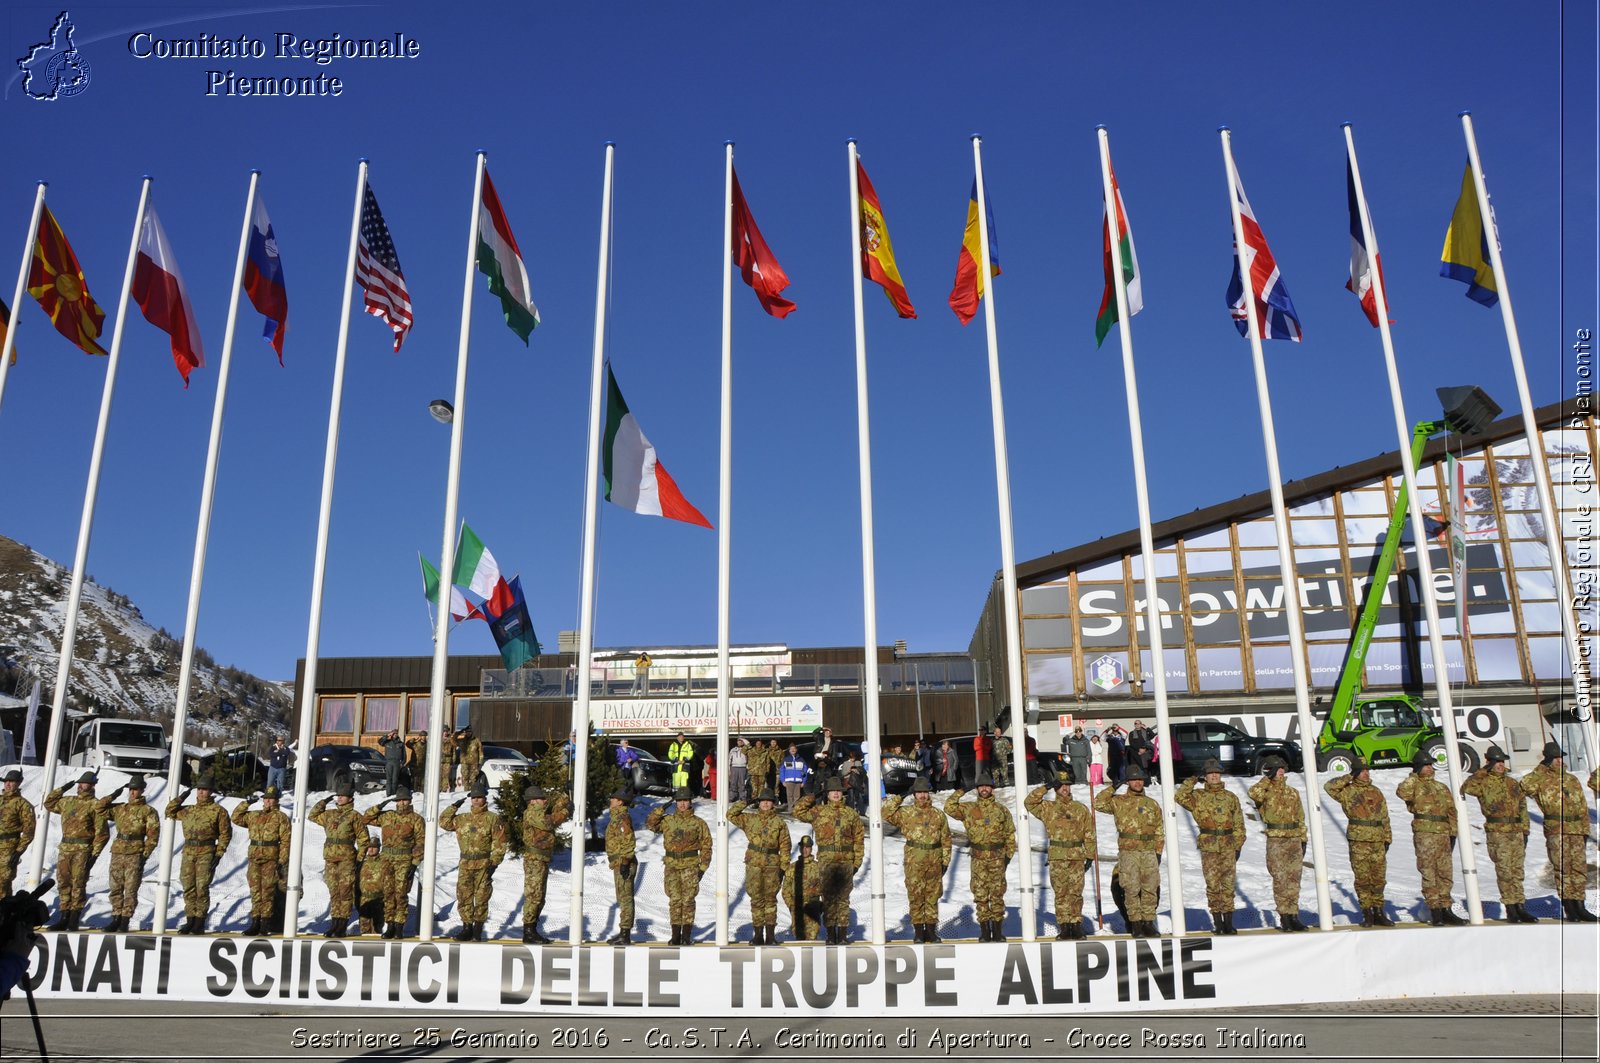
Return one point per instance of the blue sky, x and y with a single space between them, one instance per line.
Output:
542 86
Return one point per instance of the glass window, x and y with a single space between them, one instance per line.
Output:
1453 661
1383 664
1166 564
1208 561
1055 598
1254 561
1213 537
1107 673
1050 674
1549 657
1274 667
1313 507
1536 584
417 712
1258 533
1110 570
1496 659
1541 616
1358 503
1046 634
338 715
1219 668
1533 554
1177 669
1364 532
1515 445
1314 532
383 714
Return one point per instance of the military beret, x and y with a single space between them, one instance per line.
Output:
1421 759
805 841
271 793
1357 766
625 796
1064 776
1211 765
921 786
1495 753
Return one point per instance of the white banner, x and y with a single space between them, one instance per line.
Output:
668 716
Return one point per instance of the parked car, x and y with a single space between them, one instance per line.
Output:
362 765
500 763
899 772
1238 752
649 775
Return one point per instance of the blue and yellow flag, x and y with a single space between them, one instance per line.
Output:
1466 247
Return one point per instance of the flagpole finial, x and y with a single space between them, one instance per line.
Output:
1463 114
1100 126
255 173
1223 129
850 140
1344 125
480 151
363 159
611 143
727 143
978 137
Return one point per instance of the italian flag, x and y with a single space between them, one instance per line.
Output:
501 261
460 608
1130 269
634 478
475 569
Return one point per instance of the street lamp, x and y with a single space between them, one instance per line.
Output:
442 411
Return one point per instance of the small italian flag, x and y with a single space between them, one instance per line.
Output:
1130 269
634 478
460 608
501 261
476 569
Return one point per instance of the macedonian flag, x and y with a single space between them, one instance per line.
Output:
5 329
877 253
56 280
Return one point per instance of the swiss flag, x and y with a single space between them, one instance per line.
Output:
158 288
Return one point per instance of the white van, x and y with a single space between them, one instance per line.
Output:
126 745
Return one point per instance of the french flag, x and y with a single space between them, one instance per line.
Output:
263 278
1273 309
1362 265
159 290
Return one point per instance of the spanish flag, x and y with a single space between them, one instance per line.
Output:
969 288
56 280
877 253
1466 247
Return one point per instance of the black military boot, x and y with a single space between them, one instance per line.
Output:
1448 917
1285 923
463 933
1518 913
1075 930
997 931
1216 923
199 924
623 936
253 928
1576 912
1227 924
66 917
769 934
1379 919
530 933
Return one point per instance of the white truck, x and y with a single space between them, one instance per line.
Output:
126 745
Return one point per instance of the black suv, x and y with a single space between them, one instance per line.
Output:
362 765
1239 753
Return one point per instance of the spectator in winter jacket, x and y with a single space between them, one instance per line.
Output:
792 773
946 766
982 753
1097 761
738 769
923 753
1116 754
1077 750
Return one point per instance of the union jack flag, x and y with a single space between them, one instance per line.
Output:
378 270
1274 310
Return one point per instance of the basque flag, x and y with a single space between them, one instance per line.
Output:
1273 307
263 278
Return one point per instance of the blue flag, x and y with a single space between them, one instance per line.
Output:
512 628
1466 247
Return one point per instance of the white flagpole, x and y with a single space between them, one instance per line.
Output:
447 566
1141 490
69 624
591 519
1582 682
22 286
1280 520
308 688
869 586
1430 600
1026 909
724 552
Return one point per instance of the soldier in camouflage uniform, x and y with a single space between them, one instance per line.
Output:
17 825
267 864
622 856
83 835
1069 826
1140 835
927 855
991 843
206 834
541 817
687 842
1566 827
343 846
765 857
841 847
1220 820
138 831
481 836
802 893
1433 835
1505 829
755 766
374 882
403 833
1283 818
1369 835
471 747
1002 757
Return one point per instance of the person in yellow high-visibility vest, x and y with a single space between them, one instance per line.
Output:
680 754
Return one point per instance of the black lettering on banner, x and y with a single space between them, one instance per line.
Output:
735 959
1094 961
107 969
396 955
420 993
1050 993
516 975
1121 950
663 977
1153 968
818 998
452 970
1483 723
224 977
860 968
304 987
1194 966
935 969
552 970
1016 978
330 957
137 947
247 963
70 963
588 995
166 965
285 970
777 972
621 996
368 951
39 964
899 968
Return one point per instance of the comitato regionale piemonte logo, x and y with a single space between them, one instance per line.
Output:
54 69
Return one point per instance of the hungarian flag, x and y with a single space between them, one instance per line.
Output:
460 608
501 262
757 265
1466 247
634 478
5 329
56 280
1130 268
1269 297
877 253
475 568
158 289
512 628
968 290
263 278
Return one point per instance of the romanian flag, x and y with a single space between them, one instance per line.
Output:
5 329
1466 247
877 253
968 291
56 280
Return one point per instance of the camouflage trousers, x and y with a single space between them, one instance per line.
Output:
372 914
473 886
762 883
682 884
9 856
535 870
622 879
1567 857
265 877
1066 882
72 875
199 867
1219 871
1507 849
1369 862
339 874
397 890
836 879
127 871
1140 873
1433 861
1284 856
989 886
924 885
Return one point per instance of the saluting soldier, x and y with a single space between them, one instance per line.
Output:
1220 820
802 893
402 831
991 843
267 867
482 837
540 819
841 847
83 835
765 857
206 834
1069 826
343 845
1283 818
927 854
1433 833
17 825
1367 816
138 831
1140 836
374 881
1505 828
622 857
1566 827
687 842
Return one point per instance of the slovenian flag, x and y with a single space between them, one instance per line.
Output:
500 260
969 286
263 278
159 290
635 479
1273 309
1466 247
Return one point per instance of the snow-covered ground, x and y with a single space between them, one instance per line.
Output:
230 895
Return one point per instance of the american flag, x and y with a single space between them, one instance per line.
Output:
378 270
1274 310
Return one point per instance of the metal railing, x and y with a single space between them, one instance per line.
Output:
620 680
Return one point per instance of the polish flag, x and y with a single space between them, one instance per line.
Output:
158 288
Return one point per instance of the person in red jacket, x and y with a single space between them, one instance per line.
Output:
982 753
